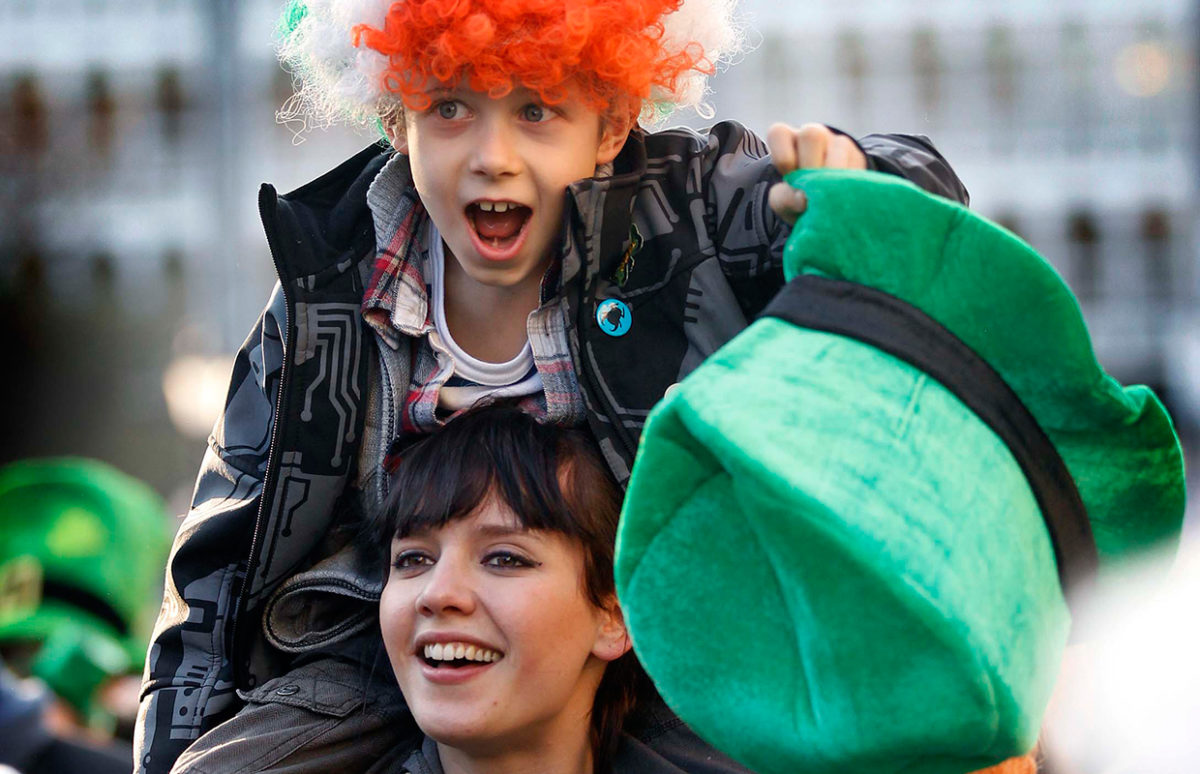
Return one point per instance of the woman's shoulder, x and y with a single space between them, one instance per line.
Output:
404 758
656 741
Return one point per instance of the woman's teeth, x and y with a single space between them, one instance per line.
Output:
460 651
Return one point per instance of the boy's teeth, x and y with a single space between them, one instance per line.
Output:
456 651
497 222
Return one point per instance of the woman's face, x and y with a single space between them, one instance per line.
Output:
491 635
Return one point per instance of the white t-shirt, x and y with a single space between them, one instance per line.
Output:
473 379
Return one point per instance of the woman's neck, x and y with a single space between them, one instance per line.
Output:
557 755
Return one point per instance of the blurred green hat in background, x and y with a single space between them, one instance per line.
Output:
847 534
83 549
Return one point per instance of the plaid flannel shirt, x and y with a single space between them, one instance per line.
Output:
396 304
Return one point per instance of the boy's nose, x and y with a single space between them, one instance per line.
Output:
495 153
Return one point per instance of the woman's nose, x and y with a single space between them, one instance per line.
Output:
447 589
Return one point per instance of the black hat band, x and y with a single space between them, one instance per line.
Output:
902 330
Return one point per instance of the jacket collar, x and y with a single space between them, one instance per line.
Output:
604 207
323 223
395 300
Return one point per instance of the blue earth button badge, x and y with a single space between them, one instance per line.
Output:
614 317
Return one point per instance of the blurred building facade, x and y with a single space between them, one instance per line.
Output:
133 137
134 134
1074 123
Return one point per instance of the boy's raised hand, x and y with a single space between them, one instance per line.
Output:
810 147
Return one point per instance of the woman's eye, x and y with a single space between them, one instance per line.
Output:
535 113
508 559
407 560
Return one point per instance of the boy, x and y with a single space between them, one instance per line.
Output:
477 277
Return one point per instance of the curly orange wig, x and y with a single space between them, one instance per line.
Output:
614 52
1025 764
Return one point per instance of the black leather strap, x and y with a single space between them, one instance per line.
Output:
904 331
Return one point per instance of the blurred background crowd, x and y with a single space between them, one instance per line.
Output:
134 134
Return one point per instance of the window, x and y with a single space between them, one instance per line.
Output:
1076 62
102 111
1156 238
29 115
853 64
104 270
171 102
1083 239
1001 58
1009 221
927 67
282 87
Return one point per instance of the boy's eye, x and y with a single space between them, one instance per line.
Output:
535 113
508 560
408 560
449 110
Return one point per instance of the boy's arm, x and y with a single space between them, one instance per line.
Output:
914 158
751 210
188 685
815 146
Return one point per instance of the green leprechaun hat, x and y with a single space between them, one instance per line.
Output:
847 535
83 549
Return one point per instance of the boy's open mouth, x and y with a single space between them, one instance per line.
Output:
453 655
498 224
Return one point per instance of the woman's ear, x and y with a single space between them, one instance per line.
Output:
612 638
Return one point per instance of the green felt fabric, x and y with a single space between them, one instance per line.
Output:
89 527
827 562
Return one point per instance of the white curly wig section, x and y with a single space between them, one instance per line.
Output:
338 83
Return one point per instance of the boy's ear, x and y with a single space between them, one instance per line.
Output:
613 132
396 135
612 638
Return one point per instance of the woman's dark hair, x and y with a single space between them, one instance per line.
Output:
552 478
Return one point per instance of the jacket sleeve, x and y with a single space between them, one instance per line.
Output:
737 172
188 683
914 158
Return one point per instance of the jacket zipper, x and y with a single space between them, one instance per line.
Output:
583 315
241 670
619 432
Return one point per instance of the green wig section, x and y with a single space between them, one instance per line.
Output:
293 13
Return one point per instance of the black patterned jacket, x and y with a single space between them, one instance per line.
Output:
681 233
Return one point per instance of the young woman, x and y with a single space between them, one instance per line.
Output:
499 613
